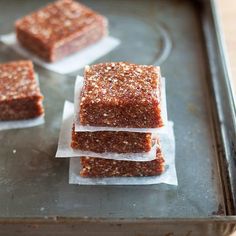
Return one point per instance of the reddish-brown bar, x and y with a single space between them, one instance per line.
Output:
109 141
121 94
59 29
20 96
98 167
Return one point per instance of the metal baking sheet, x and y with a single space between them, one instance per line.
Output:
181 35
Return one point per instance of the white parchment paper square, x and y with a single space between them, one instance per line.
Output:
19 124
64 149
168 177
70 63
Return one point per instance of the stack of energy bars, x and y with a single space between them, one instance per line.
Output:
115 108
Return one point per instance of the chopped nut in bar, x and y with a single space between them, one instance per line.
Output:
120 94
59 29
111 141
98 167
20 96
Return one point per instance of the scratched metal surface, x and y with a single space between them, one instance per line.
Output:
35 184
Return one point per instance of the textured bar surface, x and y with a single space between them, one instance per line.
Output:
109 141
59 29
98 167
20 96
121 94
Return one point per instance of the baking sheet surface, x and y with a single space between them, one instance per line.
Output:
33 183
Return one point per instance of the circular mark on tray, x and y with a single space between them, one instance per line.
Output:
166 46
141 41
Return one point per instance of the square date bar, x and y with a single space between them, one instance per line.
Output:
121 94
20 96
60 29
